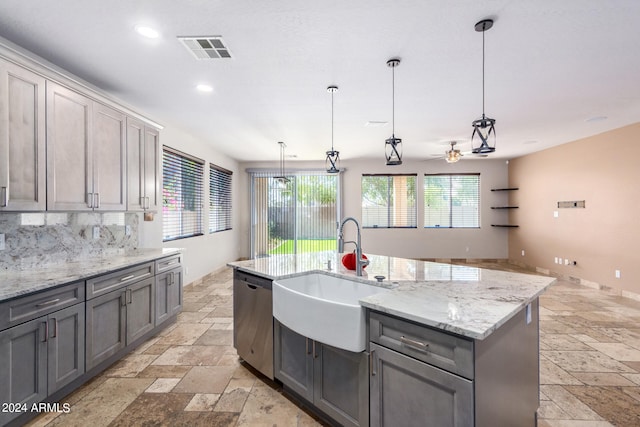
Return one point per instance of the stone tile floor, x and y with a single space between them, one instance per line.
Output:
190 375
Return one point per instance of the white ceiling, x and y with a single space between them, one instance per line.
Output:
550 66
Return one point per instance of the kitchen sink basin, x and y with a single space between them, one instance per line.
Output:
324 308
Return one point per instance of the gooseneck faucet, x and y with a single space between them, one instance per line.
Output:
360 262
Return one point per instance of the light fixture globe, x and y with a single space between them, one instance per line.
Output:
452 155
332 161
483 138
393 145
281 181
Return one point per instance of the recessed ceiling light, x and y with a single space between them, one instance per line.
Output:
204 88
146 31
596 119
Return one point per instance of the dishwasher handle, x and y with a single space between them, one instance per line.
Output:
250 286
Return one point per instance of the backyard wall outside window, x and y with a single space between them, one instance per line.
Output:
452 201
389 201
219 199
182 194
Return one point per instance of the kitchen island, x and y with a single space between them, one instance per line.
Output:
447 344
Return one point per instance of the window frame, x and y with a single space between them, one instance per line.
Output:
451 199
410 211
225 199
192 168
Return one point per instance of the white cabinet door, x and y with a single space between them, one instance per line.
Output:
69 155
143 166
109 158
22 139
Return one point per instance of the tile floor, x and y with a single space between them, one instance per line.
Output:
190 375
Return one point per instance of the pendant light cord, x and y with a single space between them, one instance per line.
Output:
483 73
332 121
393 101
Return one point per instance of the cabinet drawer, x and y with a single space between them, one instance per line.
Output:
108 282
29 307
168 263
449 352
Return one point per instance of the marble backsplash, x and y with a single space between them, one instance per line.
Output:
42 239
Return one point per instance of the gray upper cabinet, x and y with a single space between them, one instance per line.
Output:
86 155
143 166
22 139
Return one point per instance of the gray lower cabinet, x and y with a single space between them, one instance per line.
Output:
168 294
116 319
408 392
41 356
335 381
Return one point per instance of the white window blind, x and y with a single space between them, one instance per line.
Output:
182 193
389 201
219 199
452 201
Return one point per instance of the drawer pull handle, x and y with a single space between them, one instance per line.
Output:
415 344
131 276
43 304
5 198
372 363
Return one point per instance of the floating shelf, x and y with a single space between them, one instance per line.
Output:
505 225
505 189
504 207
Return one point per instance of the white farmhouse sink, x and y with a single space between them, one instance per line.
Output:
324 308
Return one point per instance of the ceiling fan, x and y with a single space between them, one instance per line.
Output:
453 154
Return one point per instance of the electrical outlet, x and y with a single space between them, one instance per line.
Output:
566 261
556 214
555 260
2 242
523 252
96 232
617 274
127 230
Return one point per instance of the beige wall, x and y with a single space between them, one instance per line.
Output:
485 242
602 170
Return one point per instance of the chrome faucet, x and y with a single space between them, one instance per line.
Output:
360 262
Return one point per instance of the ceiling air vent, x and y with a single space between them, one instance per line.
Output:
206 47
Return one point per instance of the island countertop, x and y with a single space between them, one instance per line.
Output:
18 282
469 301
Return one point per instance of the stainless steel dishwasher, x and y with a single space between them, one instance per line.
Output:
253 320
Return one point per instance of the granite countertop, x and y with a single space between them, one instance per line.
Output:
469 301
14 283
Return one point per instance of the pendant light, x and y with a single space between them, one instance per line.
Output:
483 138
281 180
332 162
393 145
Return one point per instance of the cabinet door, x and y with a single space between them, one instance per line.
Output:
341 384
66 346
109 158
293 360
69 155
407 392
23 371
106 327
152 168
140 309
22 139
168 294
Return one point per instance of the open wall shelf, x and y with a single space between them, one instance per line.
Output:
505 207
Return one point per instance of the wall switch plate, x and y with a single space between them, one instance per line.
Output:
555 260
566 261
523 252
2 247
555 214
96 232
617 274
127 230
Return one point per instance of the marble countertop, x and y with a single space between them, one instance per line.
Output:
465 300
14 283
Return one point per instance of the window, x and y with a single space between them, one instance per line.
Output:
182 192
219 199
452 201
389 201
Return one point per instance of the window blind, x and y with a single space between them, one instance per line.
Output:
452 201
389 201
182 193
219 199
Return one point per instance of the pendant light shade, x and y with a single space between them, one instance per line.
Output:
332 162
393 145
281 181
483 138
